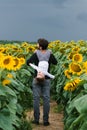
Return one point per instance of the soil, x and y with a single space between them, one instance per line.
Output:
55 118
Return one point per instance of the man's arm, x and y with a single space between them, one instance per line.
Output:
52 59
44 72
32 59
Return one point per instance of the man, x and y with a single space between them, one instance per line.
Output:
41 87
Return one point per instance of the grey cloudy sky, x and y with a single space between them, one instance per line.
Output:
28 20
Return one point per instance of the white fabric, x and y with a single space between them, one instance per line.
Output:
43 65
42 70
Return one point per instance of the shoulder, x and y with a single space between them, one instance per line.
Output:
33 55
50 51
36 51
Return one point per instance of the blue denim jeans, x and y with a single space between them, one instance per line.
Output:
41 89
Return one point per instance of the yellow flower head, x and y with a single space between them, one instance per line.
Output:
9 75
17 64
69 87
76 49
85 64
77 57
30 48
7 62
62 50
2 49
6 82
22 60
24 44
75 68
72 85
67 73
77 80
70 56
1 58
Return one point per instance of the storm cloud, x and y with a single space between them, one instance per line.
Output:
52 19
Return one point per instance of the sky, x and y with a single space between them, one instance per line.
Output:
28 20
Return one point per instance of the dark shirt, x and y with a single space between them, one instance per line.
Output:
34 59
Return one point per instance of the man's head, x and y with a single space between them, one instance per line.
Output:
43 43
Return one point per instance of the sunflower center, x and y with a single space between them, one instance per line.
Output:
76 58
6 61
75 68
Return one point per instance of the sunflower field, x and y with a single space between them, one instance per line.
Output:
69 88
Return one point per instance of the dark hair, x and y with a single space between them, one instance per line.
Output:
43 43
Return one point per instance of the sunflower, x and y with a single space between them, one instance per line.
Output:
76 49
16 49
68 46
67 73
2 49
77 57
71 86
82 43
85 66
53 44
72 42
70 56
7 62
7 50
9 75
24 44
1 58
62 50
77 80
50 46
17 64
1 55
75 68
30 49
58 41
22 60
6 82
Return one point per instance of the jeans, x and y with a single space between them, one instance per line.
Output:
41 89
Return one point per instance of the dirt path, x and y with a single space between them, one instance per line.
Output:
55 119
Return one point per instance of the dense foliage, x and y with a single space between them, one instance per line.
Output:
69 87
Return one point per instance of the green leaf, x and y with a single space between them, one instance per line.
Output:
85 86
12 106
71 103
81 104
5 122
5 112
19 109
2 91
25 72
84 76
83 126
9 91
18 85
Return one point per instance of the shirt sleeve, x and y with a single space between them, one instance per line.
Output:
52 59
33 59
